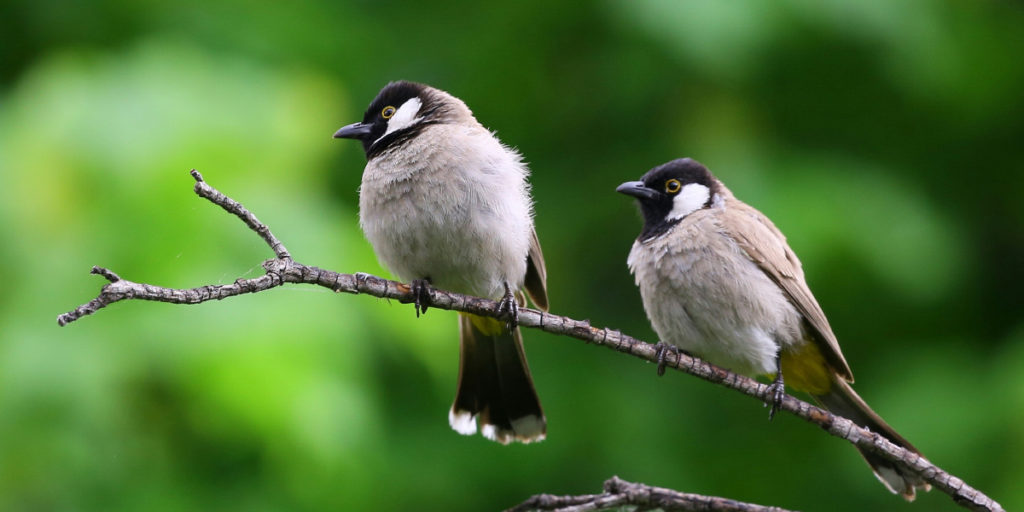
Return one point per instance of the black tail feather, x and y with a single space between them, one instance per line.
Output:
495 386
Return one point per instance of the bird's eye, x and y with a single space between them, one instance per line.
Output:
387 112
672 186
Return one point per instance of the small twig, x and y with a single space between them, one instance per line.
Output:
107 273
284 270
241 212
619 493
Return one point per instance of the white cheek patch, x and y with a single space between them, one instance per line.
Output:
690 199
404 117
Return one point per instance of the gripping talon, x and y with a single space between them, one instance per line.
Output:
421 295
660 349
777 391
508 307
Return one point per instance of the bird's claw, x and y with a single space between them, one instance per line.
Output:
660 349
421 295
776 393
508 308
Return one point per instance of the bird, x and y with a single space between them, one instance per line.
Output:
446 204
718 280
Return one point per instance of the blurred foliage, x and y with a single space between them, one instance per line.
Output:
883 137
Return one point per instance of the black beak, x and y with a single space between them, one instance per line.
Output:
353 131
637 189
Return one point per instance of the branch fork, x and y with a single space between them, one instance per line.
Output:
619 493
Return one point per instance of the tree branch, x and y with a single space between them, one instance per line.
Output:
619 493
283 269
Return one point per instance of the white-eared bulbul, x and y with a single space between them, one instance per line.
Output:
719 281
444 203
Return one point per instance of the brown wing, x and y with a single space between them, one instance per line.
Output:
767 247
536 281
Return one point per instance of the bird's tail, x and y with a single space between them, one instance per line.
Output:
842 400
495 387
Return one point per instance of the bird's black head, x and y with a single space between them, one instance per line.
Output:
670 192
400 110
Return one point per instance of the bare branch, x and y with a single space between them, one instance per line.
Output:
285 270
619 493
239 211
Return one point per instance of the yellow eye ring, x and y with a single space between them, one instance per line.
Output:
388 112
672 186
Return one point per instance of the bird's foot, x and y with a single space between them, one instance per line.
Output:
660 349
421 295
508 308
776 392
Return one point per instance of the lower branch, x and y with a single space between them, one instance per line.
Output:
285 270
619 493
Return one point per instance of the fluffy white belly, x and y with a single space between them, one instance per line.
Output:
703 295
464 236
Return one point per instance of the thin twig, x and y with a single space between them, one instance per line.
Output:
285 270
619 493
241 212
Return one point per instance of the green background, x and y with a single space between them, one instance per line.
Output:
886 139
